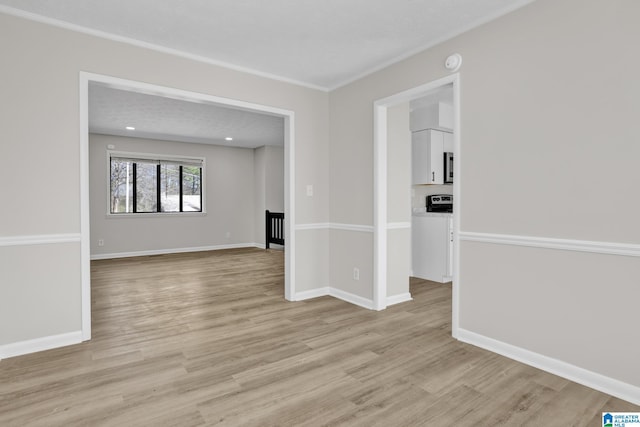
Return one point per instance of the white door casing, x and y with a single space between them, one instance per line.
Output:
289 173
380 189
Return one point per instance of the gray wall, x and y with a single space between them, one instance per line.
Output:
229 198
549 123
269 186
398 199
548 126
40 298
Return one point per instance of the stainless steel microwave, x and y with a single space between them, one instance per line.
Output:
448 168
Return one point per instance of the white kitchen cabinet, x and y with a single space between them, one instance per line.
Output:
427 157
432 247
450 250
435 116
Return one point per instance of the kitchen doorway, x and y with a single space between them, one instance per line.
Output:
381 225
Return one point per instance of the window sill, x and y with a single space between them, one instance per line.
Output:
157 215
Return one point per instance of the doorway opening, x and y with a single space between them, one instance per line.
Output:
177 94
381 248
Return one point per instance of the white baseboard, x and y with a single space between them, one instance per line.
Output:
40 344
336 293
574 373
174 251
273 246
351 298
313 293
397 299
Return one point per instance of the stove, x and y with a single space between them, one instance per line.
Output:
440 203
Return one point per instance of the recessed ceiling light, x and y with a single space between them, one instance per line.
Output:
228 138
130 128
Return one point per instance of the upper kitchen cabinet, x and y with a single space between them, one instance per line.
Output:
427 161
435 116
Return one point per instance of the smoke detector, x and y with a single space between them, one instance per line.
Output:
453 62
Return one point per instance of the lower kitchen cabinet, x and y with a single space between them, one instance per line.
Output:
432 247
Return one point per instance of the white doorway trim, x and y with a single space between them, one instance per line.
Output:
135 86
380 190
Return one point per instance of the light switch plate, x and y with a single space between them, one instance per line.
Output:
309 190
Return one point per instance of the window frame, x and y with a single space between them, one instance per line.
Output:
159 158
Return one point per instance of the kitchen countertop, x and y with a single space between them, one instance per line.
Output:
423 212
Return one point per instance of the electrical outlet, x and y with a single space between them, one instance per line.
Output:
309 190
356 273
228 235
100 242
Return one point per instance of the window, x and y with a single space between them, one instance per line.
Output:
151 185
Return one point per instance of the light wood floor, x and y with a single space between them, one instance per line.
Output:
207 339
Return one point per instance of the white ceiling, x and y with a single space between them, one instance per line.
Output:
112 110
318 43
321 44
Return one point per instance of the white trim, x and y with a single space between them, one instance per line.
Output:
40 344
457 206
434 42
145 45
121 39
155 157
351 227
289 205
313 293
140 87
337 226
273 246
566 370
400 298
379 205
139 215
607 248
180 94
40 239
351 298
380 188
95 257
398 225
314 226
336 293
85 200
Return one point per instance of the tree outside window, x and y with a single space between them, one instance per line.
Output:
151 186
